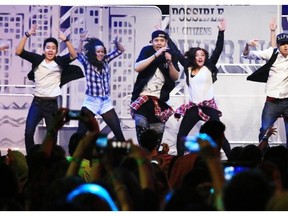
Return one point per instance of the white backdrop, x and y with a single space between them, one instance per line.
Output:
240 101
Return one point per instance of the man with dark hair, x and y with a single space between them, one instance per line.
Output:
215 129
84 169
49 73
157 72
149 140
249 190
274 74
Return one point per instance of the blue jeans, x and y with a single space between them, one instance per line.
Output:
39 109
271 112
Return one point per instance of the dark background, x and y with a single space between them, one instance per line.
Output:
164 9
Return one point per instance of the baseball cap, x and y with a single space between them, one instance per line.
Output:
282 38
158 33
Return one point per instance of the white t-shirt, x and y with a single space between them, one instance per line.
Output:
277 83
201 86
47 79
154 85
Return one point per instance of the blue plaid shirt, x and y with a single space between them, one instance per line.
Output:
98 81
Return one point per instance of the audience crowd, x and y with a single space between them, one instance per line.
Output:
96 174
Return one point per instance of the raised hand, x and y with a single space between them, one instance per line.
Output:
118 44
165 148
60 118
90 122
84 35
115 40
4 45
222 25
271 131
61 35
33 29
157 27
273 25
253 42
161 51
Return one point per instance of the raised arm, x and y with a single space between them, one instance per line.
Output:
21 45
50 139
143 64
118 45
72 51
86 141
220 42
263 144
4 45
144 167
273 27
222 25
172 70
253 43
209 152
83 36
173 49
79 152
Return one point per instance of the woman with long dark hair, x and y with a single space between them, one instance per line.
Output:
201 73
95 60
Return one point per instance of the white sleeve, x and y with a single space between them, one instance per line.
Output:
259 55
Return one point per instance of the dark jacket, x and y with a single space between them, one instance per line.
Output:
262 73
145 75
210 62
69 72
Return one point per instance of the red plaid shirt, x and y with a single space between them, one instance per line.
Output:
207 103
162 115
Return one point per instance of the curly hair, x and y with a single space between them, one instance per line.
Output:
89 49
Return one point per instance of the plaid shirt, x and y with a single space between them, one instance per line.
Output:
210 103
98 81
162 115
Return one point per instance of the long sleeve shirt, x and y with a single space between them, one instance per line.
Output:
277 83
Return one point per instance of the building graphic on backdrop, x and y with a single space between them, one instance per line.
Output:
101 22
188 25
104 25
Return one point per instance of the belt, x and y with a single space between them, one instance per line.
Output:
45 98
272 99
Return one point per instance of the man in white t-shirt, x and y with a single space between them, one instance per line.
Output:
274 73
49 73
157 72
